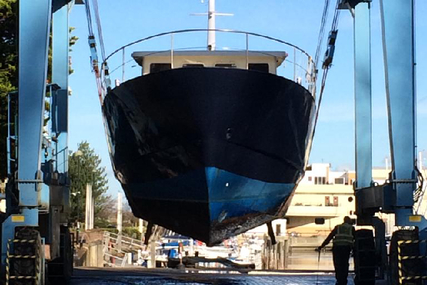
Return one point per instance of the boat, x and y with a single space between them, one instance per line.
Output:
211 143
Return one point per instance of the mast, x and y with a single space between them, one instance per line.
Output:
211 22
211 25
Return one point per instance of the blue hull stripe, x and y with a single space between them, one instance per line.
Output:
232 195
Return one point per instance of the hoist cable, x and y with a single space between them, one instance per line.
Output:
94 54
334 27
336 17
99 28
89 18
321 31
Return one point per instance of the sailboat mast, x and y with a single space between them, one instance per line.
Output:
211 25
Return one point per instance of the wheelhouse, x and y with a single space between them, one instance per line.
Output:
261 61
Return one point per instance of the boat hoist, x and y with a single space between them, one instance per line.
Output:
37 193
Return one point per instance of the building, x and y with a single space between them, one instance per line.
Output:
326 196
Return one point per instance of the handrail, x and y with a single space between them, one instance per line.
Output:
206 30
309 71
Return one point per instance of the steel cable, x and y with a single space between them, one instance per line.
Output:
334 27
321 31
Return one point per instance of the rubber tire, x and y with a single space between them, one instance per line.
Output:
24 266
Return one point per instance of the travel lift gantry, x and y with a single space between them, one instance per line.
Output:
397 195
37 193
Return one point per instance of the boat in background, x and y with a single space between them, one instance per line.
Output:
211 143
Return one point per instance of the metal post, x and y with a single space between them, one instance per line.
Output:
123 64
119 220
34 27
380 245
92 213
119 213
171 51
399 61
362 95
33 50
88 210
247 51
211 25
141 229
9 135
152 254
59 118
295 67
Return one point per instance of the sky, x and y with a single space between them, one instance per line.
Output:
294 21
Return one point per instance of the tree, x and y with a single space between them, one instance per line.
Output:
84 167
129 219
107 215
8 74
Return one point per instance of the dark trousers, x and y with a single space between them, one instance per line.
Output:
341 254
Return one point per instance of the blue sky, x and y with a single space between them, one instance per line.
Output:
294 21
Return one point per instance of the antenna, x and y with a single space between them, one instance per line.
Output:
211 22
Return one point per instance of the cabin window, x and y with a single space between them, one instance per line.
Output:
262 67
193 65
225 65
157 67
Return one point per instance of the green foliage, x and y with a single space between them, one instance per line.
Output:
132 232
84 167
72 40
102 223
8 74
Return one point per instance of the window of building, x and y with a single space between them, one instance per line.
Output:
331 202
336 201
327 201
320 180
262 67
278 230
157 67
225 65
310 178
193 65
339 180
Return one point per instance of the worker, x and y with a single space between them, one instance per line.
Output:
343 236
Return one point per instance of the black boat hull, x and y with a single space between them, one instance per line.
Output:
209 152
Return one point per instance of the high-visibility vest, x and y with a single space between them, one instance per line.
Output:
344 235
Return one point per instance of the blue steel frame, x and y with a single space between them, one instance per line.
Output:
60 71
363 95
397 19
34 28
363 119
399 57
